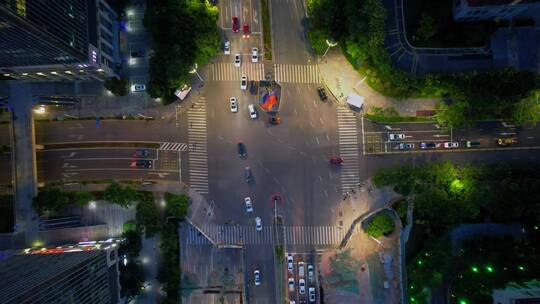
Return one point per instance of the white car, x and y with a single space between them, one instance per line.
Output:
243 82
234 104
227 48
310 273
254 55
311 292
258 223
257 275
289 262
237 60
139 88
291 284
249 206
252 111
451 145
302 284
301 269
396 136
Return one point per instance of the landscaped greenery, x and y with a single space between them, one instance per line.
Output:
54 199
177 205
390 115
359 28
169 270
117 86
147 215
381 224
131 274
184 33
120 195
267 30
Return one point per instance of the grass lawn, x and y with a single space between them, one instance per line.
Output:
448 32
376 277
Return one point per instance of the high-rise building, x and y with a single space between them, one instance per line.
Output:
65 275
55 40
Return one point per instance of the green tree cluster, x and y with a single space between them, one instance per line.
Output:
183 33
381 224
54 199
177 205
117 86
131 279
169 270
120 195
147 214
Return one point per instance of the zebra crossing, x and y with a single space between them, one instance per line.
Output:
348 149
248 235
198 156
227 72
173 146
295 73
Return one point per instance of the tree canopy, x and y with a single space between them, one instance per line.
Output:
381 224
177 205
120 195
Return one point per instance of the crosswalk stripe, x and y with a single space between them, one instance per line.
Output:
197 140
222 71
173 146
348 149
294 73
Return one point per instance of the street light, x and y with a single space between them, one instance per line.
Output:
330 43
194 71
40 110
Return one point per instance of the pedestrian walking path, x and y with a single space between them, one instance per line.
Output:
348 149
198 156
228 72
173 146
328 236
294 73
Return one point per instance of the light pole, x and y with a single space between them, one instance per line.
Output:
194 71
330 43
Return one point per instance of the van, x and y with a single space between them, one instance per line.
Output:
301 269
471 144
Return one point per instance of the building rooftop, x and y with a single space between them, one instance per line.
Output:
498 2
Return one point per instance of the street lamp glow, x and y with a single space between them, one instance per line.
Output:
162 203
474 269
92 205
330 43
40 110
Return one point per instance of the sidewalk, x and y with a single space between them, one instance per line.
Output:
341 79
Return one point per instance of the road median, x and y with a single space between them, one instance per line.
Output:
267 30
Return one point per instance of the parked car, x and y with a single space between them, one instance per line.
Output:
405 146
290 262
248 176
243 82
451 145
141 153
427 146
506 141
252 111
301 269
302 286
245 30
311 292
249 206
258 223
227 48
274 120
310 273
235 25
234 104
242 152
257 276
396 136
472 144
322 93
254 55
237 60
291 284
139 87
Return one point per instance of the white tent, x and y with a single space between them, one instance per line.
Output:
354 100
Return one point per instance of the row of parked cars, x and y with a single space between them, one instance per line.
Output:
301 267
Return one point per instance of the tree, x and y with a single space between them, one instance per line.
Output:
381 224
177 205
427 28
147 215
131 279
50 199
169 271
117 86
81 198
527 111
123 196
131 245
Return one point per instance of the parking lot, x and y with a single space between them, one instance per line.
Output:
301 278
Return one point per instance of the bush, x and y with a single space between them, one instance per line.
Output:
117 86
177 205
147 215
381 224
117 194
50 199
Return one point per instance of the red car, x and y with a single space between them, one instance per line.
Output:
336 160
245 29
235 25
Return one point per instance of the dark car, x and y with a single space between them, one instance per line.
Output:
242 150
322 93
143 164
245 30
248 176
141 153
274 120
427 145
137 54
252 87
235 25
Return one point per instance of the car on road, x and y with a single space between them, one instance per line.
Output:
248 176
396 136
291 284
290 262
249 206
258 223
139 87
147 164
227 48
405 146
302 285
243 82
252 111
506 141
310 273
427 145
252 87
141 153
237 60
472 144
137 54
311 292
274 120
234 104
322 93
257 276
254 55
245 30
235 24
451 145
242 151
301 269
